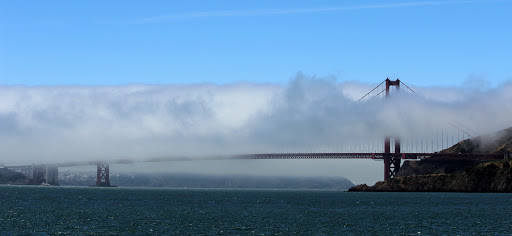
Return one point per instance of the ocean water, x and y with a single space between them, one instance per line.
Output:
36 210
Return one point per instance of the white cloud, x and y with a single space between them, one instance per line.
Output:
239 13
66 123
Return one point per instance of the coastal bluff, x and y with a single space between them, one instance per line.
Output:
483 177
430 175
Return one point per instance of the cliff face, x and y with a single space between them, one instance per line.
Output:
455 175
485 177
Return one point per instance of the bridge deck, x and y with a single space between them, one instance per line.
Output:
410 156
463 156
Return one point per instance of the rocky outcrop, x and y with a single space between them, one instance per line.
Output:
455 175
484 177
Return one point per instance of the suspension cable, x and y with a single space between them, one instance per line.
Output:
464 132
377 94
371 91
407 86
468 128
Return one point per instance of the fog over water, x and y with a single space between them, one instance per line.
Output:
76 123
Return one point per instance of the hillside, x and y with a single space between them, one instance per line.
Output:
7 177
486 177
452 175
213 181
490 143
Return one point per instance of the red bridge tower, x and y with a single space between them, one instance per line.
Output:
391 162
103 175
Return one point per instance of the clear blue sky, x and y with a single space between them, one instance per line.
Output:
172 42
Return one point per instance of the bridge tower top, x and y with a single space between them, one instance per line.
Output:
389 83
380 89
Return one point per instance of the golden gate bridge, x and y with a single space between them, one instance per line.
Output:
391 151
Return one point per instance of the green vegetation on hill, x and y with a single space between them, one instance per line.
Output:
7 176
490 143
485 177
453 175
212 181
436 167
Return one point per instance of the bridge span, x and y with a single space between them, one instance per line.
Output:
48 173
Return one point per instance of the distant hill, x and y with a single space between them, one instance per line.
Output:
213 181
7 177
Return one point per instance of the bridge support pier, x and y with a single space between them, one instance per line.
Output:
38 174
52 175
392 165
103 175
391 162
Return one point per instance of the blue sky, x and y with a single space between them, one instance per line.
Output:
170 42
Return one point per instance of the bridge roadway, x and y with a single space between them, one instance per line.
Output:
49 172
327 155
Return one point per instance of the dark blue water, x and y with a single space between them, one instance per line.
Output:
70 210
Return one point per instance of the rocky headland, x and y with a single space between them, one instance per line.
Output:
454 175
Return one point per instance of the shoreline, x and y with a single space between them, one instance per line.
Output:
487 177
